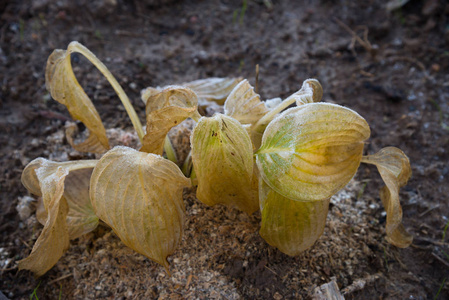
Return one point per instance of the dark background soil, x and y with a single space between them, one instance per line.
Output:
397 79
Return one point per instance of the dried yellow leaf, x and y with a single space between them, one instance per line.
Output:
394 168
244 105
64 88
140 196
46 178
223 162
165 110
289 225
310 152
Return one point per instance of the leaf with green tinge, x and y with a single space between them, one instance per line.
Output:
223 162
289 225
46 179
165 110
394 168
140 196
310 152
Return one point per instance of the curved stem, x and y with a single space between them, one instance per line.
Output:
77 47
272 113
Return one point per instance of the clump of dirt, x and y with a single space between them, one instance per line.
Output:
388 66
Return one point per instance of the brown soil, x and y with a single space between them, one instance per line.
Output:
396 78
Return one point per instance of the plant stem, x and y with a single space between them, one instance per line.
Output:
169 150
77 47
187 165
196 116
80 164
440 289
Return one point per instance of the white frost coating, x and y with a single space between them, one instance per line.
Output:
272 103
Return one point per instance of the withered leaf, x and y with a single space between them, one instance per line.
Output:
165 110
64 88
46 178
140 196
244 105
394 168
222 160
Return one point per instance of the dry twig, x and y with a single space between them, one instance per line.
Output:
60 278
364 42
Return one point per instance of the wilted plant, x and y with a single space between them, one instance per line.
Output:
258 154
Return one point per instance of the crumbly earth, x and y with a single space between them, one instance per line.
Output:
389 66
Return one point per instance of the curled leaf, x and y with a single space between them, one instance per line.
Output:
310 92
64 88
165 110
394 168
222 160
244 105
140 196
289 225
310 152
46 178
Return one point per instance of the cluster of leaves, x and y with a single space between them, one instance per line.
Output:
287 162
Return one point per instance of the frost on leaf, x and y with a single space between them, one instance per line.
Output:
213 89
244 105
64 88
394 168
165 110
222 160
310 152
289 225
46 179
140 196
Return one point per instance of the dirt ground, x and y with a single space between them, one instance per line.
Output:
389 66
